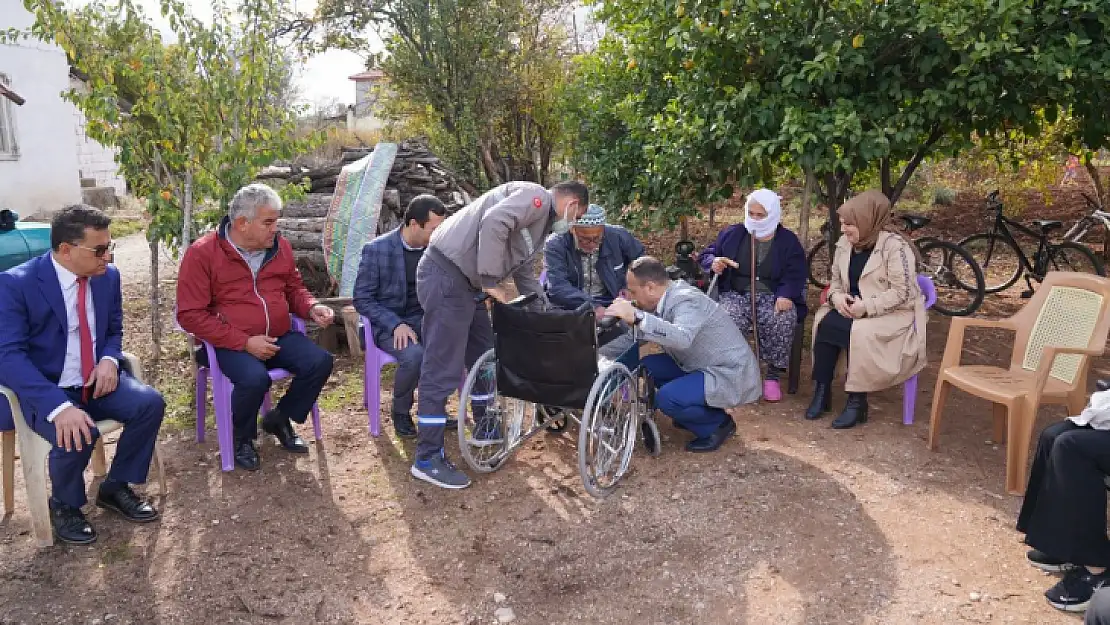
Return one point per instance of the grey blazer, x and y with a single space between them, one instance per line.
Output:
700 336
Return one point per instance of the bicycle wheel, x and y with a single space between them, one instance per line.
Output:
959 281
819 260
1070 256
998 258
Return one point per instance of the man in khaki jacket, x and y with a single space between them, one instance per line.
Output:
473 251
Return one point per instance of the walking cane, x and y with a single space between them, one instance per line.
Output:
752 292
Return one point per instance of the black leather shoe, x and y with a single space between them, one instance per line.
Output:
279 426
1102 385
714 441
403 426
70 525
855 412
246 456
821 403
127 504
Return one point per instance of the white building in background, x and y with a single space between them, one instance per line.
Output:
44 153
366 113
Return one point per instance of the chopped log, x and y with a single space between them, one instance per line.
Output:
330 171
301 240
315 257
323 183
303 224
313 205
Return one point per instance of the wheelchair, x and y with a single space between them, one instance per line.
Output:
544 370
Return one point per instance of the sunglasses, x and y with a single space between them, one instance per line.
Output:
99 251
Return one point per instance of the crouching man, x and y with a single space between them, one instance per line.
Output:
706 365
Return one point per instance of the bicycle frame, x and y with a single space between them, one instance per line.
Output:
1001 228
1084 225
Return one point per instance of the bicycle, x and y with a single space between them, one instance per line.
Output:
1003 261
954 272
1083 227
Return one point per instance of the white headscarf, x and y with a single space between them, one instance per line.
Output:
769 200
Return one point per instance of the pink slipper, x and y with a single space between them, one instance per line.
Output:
772 392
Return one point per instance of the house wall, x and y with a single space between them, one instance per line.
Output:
44 176
93 159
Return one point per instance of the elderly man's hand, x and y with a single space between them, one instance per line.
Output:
622 309
322 315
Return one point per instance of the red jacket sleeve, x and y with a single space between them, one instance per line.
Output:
194 298
300 299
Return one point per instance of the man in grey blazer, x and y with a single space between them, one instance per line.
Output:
474 251
706 366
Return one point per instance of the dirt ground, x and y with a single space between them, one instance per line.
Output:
790 522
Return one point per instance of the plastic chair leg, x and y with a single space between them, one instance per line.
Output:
99 463
940 397
1020 432
794 375
909 400
33 456
202 402
316 423
7 455
221 397
372 396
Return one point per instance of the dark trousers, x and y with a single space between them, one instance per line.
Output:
308 362
681 396
1064 511
139 408
407 376
825 356
457 331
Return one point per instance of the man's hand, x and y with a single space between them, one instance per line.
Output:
322 315
402 336
720 262
782 305
74 427
599 311
622 309
498 293
262 347
843 306
104 378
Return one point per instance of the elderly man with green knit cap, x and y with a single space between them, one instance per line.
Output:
588 264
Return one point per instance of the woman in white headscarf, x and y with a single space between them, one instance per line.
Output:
780 280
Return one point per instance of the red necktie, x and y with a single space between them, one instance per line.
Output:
86 335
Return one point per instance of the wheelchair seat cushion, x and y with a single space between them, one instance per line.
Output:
545 357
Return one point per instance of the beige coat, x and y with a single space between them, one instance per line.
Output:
888 345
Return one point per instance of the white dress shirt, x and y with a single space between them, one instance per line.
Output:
71 370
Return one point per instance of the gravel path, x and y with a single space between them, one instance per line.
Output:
132 257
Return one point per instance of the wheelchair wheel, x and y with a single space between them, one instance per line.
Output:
609 430
490 425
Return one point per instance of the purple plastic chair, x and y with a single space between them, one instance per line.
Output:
909 387
221 401
372 377
375 359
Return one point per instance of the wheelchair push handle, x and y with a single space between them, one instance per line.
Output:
520 302
604 323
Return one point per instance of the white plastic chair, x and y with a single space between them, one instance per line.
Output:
33 451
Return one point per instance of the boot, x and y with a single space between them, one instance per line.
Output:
855 411
822 401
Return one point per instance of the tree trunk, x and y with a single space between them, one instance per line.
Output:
712 215
187 210
1096 180
683 229
152 365
803 214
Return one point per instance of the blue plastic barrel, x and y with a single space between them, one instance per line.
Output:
21 241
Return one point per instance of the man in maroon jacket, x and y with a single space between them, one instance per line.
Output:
235 289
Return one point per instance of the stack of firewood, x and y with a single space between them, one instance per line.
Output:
415 171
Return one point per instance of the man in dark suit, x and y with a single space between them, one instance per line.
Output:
61 332
385 293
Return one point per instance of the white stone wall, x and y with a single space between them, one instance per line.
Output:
93 159
44 176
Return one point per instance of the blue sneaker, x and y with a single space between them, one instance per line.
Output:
439 471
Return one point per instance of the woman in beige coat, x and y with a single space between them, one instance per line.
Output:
874 311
